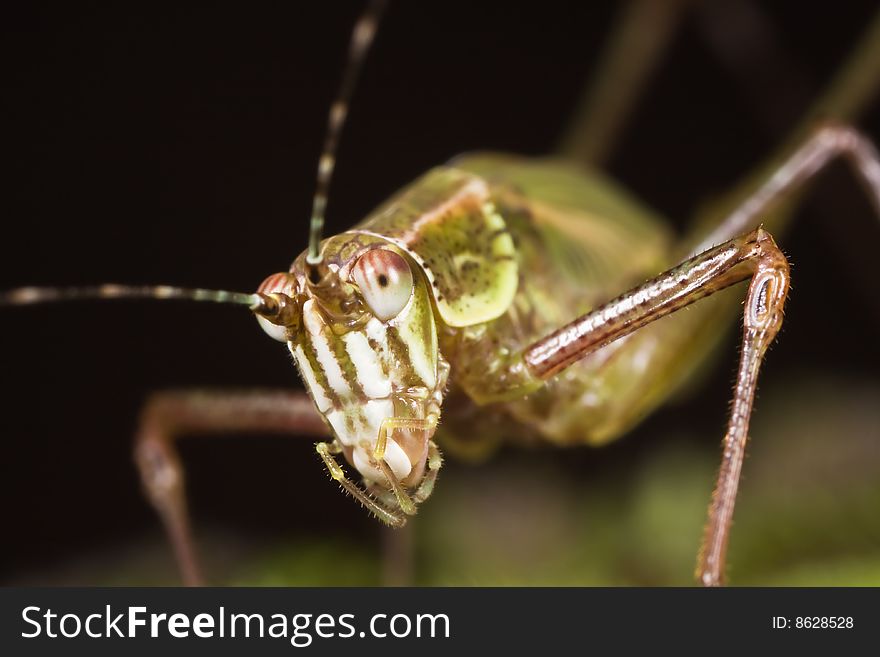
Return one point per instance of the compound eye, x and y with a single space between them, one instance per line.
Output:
282 283
385 280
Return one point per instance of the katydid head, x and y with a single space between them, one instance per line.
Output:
359 322
365 341
357 316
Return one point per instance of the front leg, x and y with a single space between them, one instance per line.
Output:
754 256
172 414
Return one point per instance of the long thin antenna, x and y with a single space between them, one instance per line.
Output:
277 308
361 39
26 296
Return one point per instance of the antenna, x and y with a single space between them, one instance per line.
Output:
26 296
277 308
361 39
273 307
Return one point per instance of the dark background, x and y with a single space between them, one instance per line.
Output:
178 145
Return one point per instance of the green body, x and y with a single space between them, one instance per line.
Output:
514 248
421 317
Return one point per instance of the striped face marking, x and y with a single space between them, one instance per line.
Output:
308 375
422 350
363 370
318 336
370 376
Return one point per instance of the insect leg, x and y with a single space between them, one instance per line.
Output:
760 202
169 415
754 256
383 513
404 501
435 461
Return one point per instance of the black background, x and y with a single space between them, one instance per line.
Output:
178 145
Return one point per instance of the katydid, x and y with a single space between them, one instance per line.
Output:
515 285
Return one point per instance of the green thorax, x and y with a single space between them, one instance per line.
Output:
513 248
580 238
